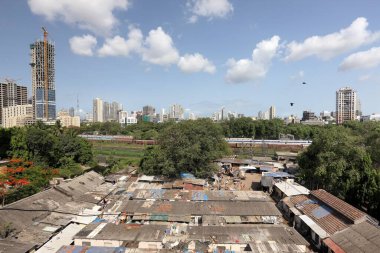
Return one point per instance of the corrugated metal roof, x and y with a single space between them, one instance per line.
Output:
347 210
333 246
331 222
313 226
362 237
259 208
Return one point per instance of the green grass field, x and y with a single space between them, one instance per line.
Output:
128 154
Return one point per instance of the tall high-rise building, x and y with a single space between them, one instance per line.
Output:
12 94
176 112
97 110
42 54
272 112
346 105
115 108
148 110
106 111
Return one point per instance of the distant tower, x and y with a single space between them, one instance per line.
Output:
43 79
176 112
98 110
272 112
346 105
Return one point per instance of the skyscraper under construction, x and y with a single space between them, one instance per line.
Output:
43 79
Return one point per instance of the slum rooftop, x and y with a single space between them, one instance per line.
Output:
38 217
327 211
362 237
127 234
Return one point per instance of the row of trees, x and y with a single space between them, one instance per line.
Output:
50 146
239 127
140 131
266 129
345 160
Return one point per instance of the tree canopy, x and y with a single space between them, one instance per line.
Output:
339 162
49 145
188 146
266 129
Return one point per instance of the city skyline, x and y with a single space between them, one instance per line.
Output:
195 68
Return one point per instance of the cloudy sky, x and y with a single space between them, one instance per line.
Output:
203 54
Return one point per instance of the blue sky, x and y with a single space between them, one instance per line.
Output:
203 54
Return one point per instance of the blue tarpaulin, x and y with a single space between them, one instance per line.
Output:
278 174
198 195
187 175
321 212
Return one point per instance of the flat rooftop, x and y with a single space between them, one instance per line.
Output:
291 188
214 234
233 208
199 195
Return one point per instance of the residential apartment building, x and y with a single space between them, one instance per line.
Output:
114 110
149 110
12 94
42 62
104 111
176 112
272 112
126 118
67 120
347 105
97 110
18 115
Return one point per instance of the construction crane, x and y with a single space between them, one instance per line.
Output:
46 76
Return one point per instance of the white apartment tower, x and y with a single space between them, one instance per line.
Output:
42 53
176 112
98 110
346 105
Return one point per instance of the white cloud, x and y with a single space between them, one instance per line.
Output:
299 75
83 45
190 63
118 46
248 70
94 15
362 60
330 45
159 48
209 8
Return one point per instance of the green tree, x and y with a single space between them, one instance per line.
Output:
337 162
5 142
188 146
